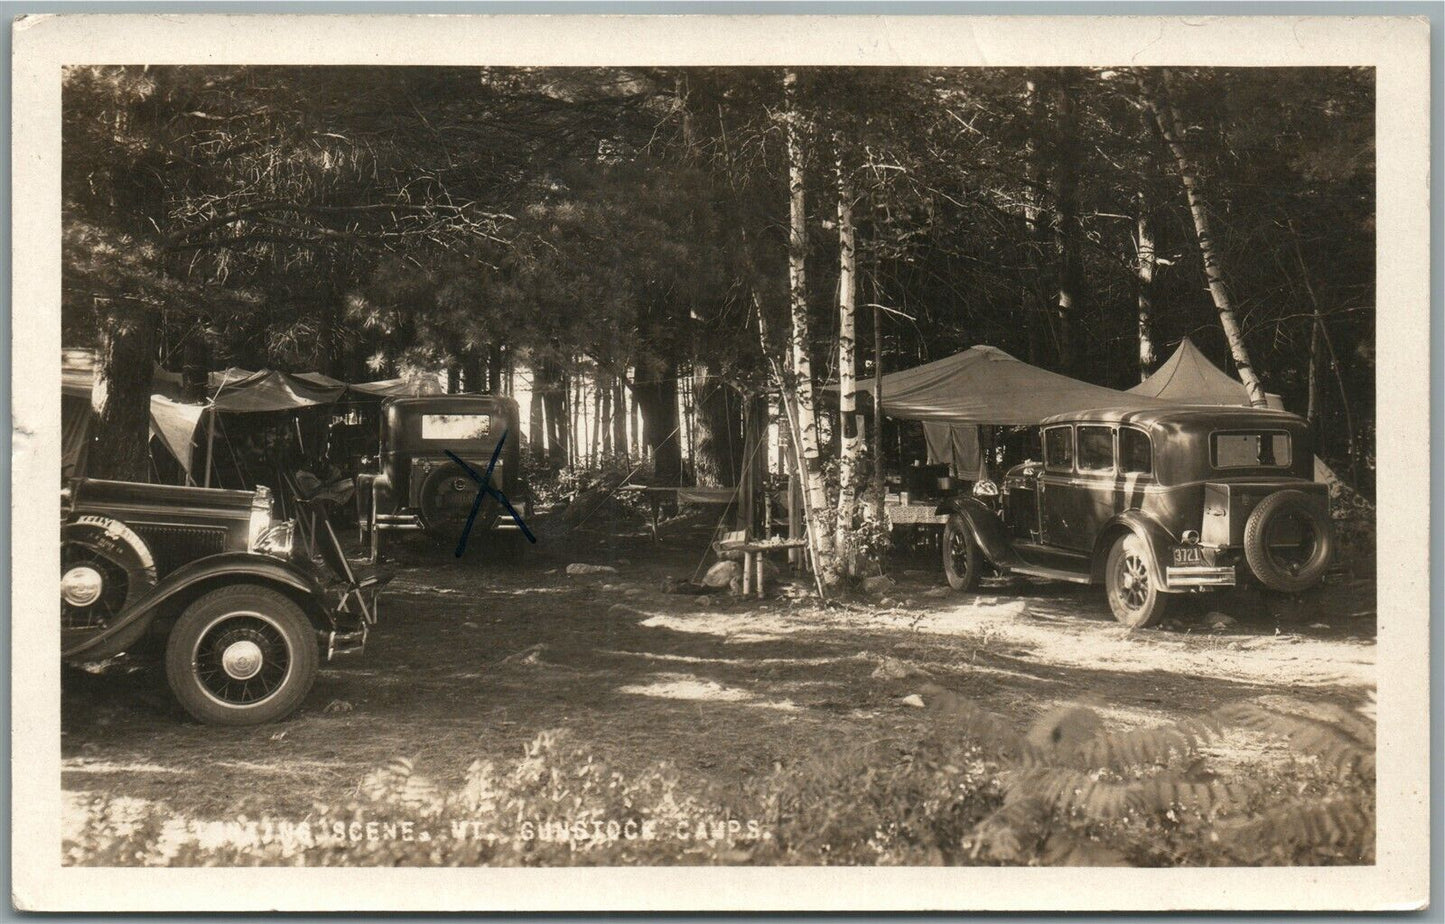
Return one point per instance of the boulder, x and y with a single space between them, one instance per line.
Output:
1218 620
877 585
580 568
724 574
896 669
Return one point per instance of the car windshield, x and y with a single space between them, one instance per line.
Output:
1255 449
455 426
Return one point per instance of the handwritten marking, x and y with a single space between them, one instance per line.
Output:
484 488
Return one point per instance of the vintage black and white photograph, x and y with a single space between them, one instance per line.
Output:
768 465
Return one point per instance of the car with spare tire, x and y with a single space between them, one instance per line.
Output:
1151 503
423 476
212 584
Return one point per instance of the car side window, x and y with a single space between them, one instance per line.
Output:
1096 449
1135 454
1059 448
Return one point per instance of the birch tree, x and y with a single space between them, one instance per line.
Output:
1172 129
800 381
850 441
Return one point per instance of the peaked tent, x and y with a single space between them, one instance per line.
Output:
985 385
1188 377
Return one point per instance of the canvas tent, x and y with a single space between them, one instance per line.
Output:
1188 377
175 421
983 385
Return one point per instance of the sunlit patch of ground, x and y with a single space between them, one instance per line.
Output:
690 688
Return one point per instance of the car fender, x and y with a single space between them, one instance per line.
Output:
250 567
984 525
1155 537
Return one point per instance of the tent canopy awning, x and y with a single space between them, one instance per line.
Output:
1188 377
985 385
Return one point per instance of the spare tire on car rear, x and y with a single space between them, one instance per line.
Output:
1289 569
447 496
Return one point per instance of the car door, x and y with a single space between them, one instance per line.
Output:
1054 516
1078 498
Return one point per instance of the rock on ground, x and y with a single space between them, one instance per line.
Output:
877 585
577 568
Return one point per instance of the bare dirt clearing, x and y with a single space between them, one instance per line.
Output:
473 659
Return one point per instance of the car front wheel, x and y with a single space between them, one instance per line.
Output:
962 560
1132 586
241 655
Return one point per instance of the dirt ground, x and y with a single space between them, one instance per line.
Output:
473 658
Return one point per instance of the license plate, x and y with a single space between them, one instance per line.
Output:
1188 555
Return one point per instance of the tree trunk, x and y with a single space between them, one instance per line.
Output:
494 369
619 421
876 504
1066 222
1037 314
719 438
536 423
799 385
850 445
120 431
605 413
472 377
454 379
1171 127
596 435
657 404
1147 260
554 400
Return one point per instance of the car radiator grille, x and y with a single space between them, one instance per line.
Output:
173 546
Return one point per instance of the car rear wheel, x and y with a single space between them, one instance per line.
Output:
241 655
962 559
1288 542
1131 585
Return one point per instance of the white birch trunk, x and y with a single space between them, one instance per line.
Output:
1148 259
850 441
1171 126
815 489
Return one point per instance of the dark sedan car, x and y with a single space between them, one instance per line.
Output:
213 584
1152 503
414 481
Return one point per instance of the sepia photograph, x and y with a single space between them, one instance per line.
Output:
726 463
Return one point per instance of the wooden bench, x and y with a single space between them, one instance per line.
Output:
753 556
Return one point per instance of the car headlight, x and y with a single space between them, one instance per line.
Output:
277 540
985 488
260 517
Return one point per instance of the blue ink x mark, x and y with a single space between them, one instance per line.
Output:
484 487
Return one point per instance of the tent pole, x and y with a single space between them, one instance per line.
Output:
210 443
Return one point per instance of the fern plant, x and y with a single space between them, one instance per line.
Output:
1075 792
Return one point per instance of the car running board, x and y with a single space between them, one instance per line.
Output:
1053 574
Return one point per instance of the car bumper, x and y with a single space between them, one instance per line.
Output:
409 521
1199 576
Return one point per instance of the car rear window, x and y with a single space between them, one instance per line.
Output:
455 426
1096 449
1250 449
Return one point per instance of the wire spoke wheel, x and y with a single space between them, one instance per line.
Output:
1133 590
242 659
242 655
